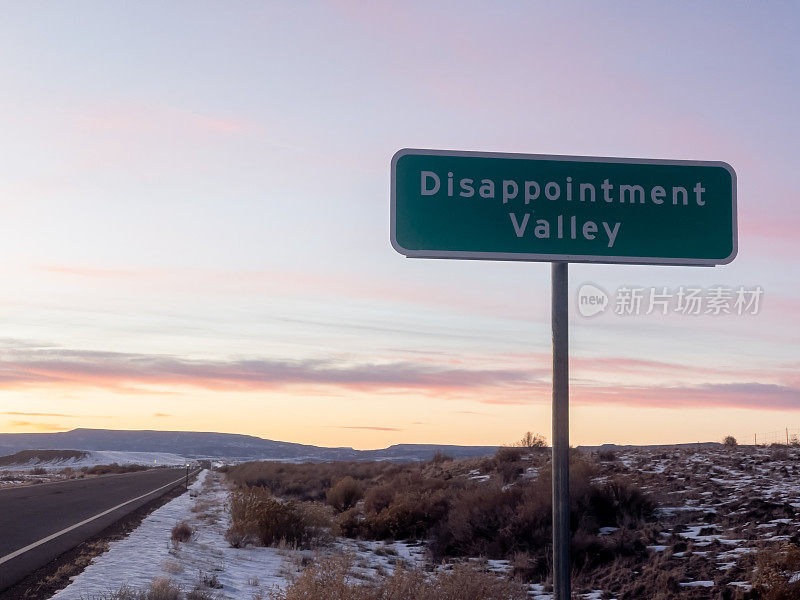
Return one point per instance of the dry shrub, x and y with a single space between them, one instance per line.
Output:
478 523
606 455
378 498
332 579
114 468
440 502
506 454
258 517
532 442
307 481
440 456
776 574
407 507
182 532
410 515
344 494
498 522
508 463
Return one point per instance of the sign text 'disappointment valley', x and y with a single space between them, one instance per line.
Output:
578 209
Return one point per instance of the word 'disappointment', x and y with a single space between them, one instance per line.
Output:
530 191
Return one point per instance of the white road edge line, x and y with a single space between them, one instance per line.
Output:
44 540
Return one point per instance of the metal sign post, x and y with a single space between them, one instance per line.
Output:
560 464
562 209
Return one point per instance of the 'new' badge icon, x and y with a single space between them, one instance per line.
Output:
591 300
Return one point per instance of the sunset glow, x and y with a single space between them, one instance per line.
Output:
195 223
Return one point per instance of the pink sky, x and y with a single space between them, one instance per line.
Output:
195 219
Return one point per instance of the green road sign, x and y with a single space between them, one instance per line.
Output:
486 205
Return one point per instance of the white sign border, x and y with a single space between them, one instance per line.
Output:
572 258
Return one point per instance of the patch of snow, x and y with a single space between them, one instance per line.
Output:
741 584
607 530
702 583
106 457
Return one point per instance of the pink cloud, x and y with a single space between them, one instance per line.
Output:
749 395
60 368
113 370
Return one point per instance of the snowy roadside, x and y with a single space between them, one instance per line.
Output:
206 560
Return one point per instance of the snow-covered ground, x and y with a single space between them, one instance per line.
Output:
716 509
148 553
103 457
207 560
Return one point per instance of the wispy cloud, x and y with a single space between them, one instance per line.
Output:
121 372
751 395
159 415
14 413
37 426
35 414
367 427
68 367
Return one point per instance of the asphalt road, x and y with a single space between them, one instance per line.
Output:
39 522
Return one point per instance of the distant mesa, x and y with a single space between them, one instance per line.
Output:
222 445
172 447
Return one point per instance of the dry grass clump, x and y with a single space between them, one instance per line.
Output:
333 579
257 517
159 589
182 532
776 574
307 481
114 468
